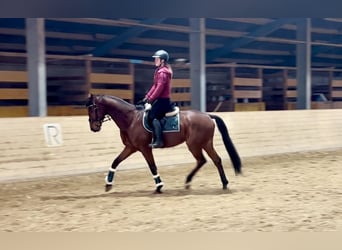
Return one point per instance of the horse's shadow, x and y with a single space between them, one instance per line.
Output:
146 193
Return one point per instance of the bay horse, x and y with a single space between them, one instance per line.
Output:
196 130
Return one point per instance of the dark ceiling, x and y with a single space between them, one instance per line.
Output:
260 41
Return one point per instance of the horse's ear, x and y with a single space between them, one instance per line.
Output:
89 100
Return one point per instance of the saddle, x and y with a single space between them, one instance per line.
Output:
169 123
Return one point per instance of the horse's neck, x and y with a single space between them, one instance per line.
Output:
122 120
121 114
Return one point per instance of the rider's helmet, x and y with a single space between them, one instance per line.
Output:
162 54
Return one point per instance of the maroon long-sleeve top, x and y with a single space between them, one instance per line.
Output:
161 87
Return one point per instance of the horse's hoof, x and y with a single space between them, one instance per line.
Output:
225 187
237 173
187 184
108 187
158 190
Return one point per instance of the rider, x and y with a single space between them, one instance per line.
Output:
159 95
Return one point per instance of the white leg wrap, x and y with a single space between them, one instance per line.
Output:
112 169
160 184
157 179
107 182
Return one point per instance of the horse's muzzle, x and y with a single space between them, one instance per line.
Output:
95 126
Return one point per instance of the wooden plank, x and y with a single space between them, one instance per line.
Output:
13 76
121 93
181 83
314 105
177 97
336 94
291 93
337 105
292 82
253 82
255 106
247 94
183 96
336 83
111 78
66 78
66 110
13 94
321 105
185 108
14 111
22 111
291 105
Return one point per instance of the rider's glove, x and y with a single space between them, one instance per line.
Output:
148 106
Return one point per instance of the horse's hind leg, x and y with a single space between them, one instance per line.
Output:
197 153
218 163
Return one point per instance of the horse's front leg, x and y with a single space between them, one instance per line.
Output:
147 153
127 151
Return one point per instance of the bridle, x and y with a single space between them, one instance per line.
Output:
95 108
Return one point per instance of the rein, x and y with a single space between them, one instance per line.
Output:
106 117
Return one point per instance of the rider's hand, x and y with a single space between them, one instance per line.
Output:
147 106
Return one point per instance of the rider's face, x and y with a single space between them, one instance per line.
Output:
157 61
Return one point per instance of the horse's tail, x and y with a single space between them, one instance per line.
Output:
234 156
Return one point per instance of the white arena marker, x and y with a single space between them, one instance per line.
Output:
53 134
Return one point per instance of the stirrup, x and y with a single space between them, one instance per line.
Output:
155 145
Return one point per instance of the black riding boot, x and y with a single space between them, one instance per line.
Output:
157 135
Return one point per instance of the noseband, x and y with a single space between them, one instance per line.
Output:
95 108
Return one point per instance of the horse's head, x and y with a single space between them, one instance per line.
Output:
96 113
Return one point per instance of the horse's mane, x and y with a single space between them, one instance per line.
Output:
122 101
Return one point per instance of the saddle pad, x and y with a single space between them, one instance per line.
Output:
168 124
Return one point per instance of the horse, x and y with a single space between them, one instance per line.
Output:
196 130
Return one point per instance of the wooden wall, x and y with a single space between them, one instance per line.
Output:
13 90
336 93
280 90
68 84
240 89
117 81
25 154
181 93
229 87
